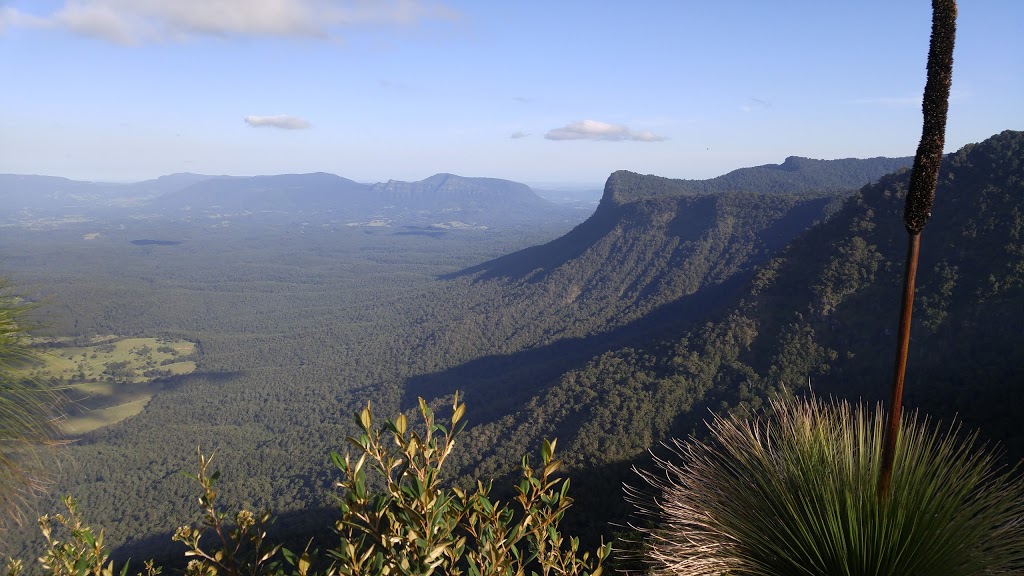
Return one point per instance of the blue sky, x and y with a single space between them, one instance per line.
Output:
531 91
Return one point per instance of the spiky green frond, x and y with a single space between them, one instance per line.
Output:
29 412
795 492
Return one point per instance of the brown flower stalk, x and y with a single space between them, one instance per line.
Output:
920 195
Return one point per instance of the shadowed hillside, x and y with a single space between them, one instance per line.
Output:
823 311
654 240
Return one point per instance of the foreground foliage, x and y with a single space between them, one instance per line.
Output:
414 525
795 492
28 413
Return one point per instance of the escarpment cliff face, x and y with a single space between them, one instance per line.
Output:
822 312
653 241
657 258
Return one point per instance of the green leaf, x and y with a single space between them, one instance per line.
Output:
459 411
552 467
363 419
339 461
547 449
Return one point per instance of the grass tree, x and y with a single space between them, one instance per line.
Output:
795 492
829 489
918 209
28 412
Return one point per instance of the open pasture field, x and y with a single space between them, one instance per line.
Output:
111 378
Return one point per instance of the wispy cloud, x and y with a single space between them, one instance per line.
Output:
140 21
281 121
518 135
755 104
392 85
14 18
595 130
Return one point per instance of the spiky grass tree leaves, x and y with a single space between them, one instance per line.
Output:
794 493
29 412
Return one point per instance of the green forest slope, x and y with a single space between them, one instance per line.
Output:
821 314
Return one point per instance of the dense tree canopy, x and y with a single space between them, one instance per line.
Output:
610 337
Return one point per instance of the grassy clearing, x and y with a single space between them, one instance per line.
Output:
111 378
100 417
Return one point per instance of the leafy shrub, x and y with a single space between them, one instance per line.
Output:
83 554
796 492
414 526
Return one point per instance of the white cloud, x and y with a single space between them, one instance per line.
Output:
139 21
595 130
518 135
13 18
282 121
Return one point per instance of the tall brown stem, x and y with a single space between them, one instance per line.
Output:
892 427
918 209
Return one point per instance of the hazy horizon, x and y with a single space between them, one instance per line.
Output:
567 93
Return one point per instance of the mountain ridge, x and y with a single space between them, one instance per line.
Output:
446 200
822 312
795 175
671 239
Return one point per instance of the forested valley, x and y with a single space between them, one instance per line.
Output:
675 298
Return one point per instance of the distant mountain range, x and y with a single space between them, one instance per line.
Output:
442 199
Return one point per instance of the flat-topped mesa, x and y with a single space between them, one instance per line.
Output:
796 175
624 186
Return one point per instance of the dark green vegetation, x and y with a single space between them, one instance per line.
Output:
610 338
795 175
796 492
295 330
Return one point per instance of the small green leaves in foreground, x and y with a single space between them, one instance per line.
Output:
795 492
82 554
418 526
414 526
242 546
